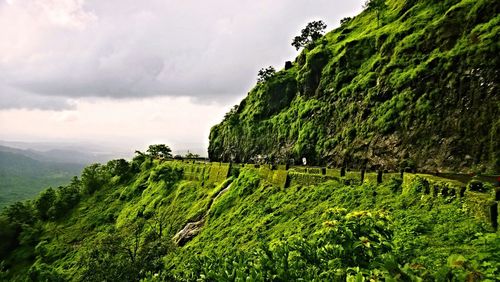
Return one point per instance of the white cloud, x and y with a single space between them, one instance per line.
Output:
66 116
207 50
136 72
65 13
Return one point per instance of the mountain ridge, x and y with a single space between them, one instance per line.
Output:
420 90
62 155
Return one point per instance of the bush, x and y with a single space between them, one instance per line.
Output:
348 244
169 174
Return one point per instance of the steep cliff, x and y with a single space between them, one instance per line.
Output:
419 88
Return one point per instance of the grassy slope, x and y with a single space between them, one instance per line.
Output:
111 209
426 230
22 178
421 87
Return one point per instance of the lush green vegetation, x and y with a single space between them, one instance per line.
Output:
405 81
22 177
408 83
117 222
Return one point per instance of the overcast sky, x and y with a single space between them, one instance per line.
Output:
130 73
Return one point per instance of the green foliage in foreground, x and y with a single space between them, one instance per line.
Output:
338 230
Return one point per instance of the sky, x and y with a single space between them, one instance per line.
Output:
128 73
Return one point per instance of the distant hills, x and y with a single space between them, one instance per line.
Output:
26 168
59 152
24 173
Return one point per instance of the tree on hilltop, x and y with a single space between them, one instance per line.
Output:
265 74
160 151
312 32
190 155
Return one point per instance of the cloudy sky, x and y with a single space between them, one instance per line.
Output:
130 73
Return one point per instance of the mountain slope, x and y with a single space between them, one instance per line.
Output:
22 177
336 229
418 89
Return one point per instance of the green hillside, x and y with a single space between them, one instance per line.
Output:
22 177
412 86
418 88
121 222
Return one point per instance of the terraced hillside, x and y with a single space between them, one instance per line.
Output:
252 223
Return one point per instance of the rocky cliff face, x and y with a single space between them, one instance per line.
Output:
418 89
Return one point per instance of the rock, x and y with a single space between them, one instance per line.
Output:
188 232
193 228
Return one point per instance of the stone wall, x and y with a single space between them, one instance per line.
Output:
483 205
208 173
480 204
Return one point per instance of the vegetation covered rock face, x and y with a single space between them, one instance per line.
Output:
412 81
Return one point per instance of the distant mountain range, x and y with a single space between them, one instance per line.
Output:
26 168
55 152
25 172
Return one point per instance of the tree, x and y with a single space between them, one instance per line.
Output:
265 74
107 259
159 151
345 20
378 6
190 155
8 236
44 203
139 158
93 177
13 220
20 213
312 32
124 254
158 221
67 197
119 167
